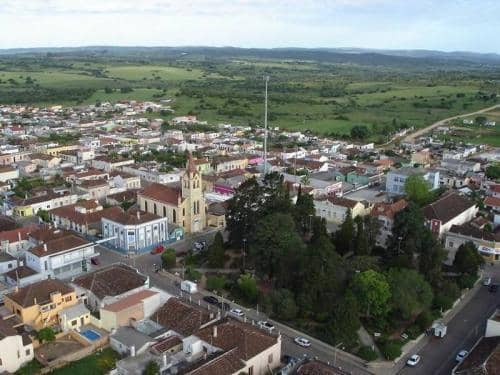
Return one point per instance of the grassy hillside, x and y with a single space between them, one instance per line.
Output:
326 92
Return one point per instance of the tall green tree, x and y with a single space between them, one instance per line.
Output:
277 196
344 322
344 237
372 292
417 190
361 244
467 259
244 211
303 211
168 258
247 288
216 253
283 303
410 293
277 249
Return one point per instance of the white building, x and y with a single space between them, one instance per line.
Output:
135 232
61 257
396 179
15 350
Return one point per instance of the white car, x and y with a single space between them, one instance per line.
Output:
265 325
461 355
302 341
237 312
487 281
413 360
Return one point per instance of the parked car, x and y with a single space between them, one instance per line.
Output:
302 341
158 250
493 288
265 325
461 355
487 281
237 312
211 300
413 360
199 246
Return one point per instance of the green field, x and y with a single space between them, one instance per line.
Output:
477 134
320 95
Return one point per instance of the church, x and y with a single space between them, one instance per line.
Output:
183 205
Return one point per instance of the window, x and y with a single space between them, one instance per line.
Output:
450 244
154 208
45 265
270 358
28 352
68 299
74 322
250 370
165 212
174 216
146 206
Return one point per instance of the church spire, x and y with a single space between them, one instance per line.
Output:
191 166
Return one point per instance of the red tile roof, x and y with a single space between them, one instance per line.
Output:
492 202
162 193
447 207
39 293
13 235
58 245
129 301
389 210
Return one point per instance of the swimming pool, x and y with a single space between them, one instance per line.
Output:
90 335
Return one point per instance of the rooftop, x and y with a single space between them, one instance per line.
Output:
39 293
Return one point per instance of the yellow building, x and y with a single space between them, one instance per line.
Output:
38 304
183 205
54 151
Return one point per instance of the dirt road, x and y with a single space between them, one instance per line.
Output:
411 137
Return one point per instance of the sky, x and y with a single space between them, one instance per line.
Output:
447 25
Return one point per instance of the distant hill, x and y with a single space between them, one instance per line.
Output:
333 55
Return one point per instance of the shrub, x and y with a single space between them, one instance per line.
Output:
466 281
367 353
216 282
46 334
168 258
391 349
424 320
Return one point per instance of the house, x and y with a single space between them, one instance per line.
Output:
203 166
38 304
235 347
15 242
129 342
109 284
487 242
228 163
460 167
7 262
182 318
108 164
43 201
385 214
450 209
8 174
45 160
74 317
151 172
15 349
183 206
134 231
493 203
21 276
138 306
334 209
396 179
62 257
94 189
82 217
123 180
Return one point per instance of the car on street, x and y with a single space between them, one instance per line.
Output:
265 325
413 360
487 281
461 355
211 300
302 341
237 312
158 250
199 246
493 288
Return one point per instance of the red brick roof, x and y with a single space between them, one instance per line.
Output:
58 245
13 235
492 202
39 293
447 207
389 209
129 301
162 193
249 340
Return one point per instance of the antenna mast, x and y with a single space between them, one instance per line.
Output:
266 78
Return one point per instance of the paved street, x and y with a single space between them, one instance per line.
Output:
438 355
146 264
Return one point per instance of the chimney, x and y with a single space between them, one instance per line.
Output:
132 351
164 359
45 247
215 331
19 236
138 215
34 301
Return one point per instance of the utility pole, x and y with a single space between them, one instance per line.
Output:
266 78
